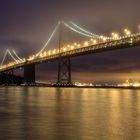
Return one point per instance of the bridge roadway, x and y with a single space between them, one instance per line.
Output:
126 42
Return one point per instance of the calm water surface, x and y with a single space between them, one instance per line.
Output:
32 113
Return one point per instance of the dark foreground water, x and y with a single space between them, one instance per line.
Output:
69 114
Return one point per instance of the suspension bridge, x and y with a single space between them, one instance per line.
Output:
94 43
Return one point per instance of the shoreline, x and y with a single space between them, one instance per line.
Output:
91 87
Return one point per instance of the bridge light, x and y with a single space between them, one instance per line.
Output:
127 32
41 55
54 51
64 49
30 58
45 53
104 38
101 37
86 43
75 44
79 45
94 41
49 53
115 35
72 47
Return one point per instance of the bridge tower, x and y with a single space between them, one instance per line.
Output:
64 71
64 66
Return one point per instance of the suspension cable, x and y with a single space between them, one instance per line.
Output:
80 28
17 56
5 54
79 32
89 33
50 38
12 56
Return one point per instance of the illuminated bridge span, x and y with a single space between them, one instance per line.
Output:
94 44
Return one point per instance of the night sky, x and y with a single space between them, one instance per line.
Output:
25 25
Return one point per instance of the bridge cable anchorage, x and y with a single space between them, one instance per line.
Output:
50 38
17 56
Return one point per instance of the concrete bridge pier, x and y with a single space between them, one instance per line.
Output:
29 74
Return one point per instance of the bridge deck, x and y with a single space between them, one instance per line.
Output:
126 42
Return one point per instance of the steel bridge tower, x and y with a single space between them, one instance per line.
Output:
64 65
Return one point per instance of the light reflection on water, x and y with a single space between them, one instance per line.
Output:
69 114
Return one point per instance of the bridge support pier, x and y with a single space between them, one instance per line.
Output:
29 74
64 71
